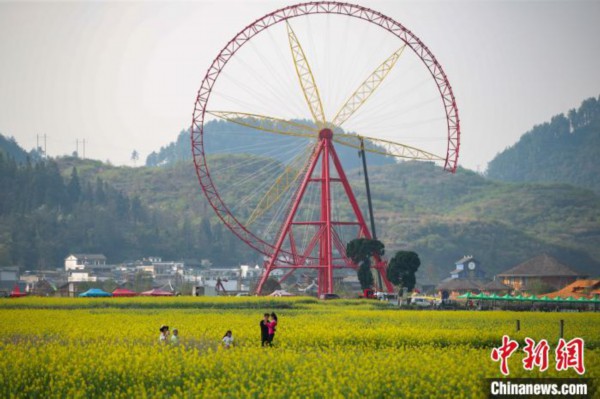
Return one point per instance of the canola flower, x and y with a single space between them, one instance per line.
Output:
61 347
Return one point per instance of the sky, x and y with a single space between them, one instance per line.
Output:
124 76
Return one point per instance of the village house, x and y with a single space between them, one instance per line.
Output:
80 261
543 270
467 276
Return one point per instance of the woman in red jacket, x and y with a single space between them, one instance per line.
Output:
271 325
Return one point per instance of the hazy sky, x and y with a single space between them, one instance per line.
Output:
124 76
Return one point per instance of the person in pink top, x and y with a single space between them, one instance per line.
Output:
271 325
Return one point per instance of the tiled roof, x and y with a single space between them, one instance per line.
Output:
464 259
459 284
89 256
578 289
496 285
542 265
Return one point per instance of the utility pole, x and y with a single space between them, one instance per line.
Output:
83 149
77 148
45 153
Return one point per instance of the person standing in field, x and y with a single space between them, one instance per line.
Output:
164 334
175 337
264 330
272 328
227 340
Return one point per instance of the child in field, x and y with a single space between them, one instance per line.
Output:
163 338
264 330
175 337
227 340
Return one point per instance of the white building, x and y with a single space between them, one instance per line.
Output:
80 261
79 277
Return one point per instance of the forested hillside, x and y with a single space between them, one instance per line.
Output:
44 216
51 208
417 206
10 149
564 150
226 137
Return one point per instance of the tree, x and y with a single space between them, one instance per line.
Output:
365 277
402 268
272 284
74 187
360 251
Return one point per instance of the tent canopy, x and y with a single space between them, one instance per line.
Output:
16 292
123 292
95 292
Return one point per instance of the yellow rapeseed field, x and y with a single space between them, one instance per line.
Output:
53 347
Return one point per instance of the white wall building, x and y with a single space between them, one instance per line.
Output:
80 261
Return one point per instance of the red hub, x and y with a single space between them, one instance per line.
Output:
326 134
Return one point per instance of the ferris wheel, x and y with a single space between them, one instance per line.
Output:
281 113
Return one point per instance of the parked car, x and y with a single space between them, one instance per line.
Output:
420 302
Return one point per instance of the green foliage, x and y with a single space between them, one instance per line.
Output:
564 150
10 149
365 275
360 250
270 285
402 268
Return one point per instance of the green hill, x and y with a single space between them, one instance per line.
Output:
565 150
230 138
10 149
417 206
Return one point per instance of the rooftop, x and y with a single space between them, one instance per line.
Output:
541 266
578 289
461 285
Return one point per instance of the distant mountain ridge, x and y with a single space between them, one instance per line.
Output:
10 149
231 138
564 150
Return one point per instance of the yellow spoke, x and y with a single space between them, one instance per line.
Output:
307 79
267 123
282 183
366 88
385 147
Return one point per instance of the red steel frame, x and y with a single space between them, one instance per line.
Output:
283 14
324 235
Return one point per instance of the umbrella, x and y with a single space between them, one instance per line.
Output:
95 292
157 292
570 299
123 292
481 295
